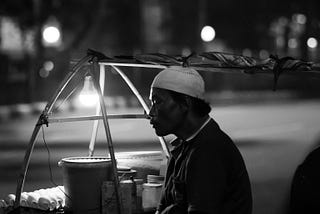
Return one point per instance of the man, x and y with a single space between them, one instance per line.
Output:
305 187
206 173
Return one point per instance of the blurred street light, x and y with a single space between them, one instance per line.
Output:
51 34
293 43
208 33
46 68
312 42
299 18
263 54
247 52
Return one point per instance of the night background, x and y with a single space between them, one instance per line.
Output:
32 68
273 129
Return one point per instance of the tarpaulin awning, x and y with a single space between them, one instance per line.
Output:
219 62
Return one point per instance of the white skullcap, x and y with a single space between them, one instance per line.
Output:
180 79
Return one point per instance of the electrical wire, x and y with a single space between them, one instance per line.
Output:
49 164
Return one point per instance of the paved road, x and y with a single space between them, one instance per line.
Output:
273 138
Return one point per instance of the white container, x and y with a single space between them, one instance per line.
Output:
151 194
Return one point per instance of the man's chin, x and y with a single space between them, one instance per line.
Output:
160 133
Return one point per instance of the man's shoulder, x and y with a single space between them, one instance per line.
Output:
216 142
212 132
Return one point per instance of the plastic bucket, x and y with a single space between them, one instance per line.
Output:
82 180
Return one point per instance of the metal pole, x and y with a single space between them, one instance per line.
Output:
139 65
96 117
95 66
98 111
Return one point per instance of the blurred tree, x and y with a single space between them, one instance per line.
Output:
77 17
21 11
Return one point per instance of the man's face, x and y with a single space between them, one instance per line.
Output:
166 114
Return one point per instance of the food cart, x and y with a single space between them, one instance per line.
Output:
208 61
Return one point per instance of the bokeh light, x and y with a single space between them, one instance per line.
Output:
44 73
247 52
51 34
208 33
312 42
48 65
263 54
292 43
300 18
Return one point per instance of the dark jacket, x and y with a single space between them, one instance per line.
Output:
206 175
305 189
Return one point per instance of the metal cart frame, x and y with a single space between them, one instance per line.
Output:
96 66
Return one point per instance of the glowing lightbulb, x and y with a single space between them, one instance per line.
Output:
88 96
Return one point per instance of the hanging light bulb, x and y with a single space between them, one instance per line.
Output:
88 96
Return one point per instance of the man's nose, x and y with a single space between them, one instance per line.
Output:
152 112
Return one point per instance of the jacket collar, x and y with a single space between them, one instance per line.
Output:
178 142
